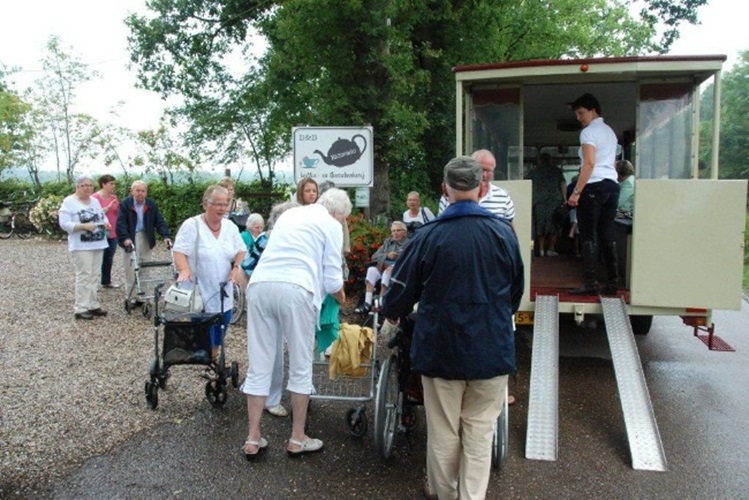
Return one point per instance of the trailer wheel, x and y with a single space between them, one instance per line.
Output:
641 324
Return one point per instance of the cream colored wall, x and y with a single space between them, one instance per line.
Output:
521 194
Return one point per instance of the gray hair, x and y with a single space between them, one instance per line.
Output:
277 210
336 201
139 183
82 178
253 218
400 224
624 168
211 191
325 185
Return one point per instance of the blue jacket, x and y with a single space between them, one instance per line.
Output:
127 218
465 271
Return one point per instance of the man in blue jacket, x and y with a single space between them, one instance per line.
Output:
465 271
137 223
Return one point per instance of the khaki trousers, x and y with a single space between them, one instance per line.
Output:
460 418
87 273
144 254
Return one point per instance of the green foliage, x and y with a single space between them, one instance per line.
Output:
355 62
365 238
14 130
44 215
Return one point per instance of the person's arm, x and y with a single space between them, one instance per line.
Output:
589 162
67 224
184 273
123 232
331 264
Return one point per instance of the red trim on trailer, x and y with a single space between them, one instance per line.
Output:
592 60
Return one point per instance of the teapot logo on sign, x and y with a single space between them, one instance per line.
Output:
342 153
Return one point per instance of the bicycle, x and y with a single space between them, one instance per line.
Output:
16 221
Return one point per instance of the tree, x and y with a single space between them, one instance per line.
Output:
381 62
734 122
14 131
72 136
160 153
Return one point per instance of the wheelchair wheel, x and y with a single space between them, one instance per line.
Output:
388 404
238 309
501 436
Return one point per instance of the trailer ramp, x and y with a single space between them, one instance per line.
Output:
642 430
543 405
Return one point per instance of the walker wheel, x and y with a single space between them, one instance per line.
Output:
356 420
146 310
152 395
128 306
163 377
215 394
234 374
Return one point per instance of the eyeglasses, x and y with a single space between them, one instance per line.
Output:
219 205
86 185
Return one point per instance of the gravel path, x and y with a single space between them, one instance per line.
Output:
72 389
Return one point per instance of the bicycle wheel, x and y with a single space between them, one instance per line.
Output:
6 229
23 226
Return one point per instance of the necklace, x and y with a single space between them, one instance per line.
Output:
209 226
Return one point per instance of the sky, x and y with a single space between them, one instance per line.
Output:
96 32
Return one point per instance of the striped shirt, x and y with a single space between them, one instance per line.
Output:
497 201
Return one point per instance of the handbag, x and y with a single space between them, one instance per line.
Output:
184 300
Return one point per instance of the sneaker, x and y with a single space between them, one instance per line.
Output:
97 312
551 253
111 285
363 309
84 315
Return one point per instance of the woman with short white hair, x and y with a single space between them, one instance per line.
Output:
82 217
301 263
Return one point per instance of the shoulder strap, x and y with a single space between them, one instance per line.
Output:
197 237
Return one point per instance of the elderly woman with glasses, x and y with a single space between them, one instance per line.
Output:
82 217
220 251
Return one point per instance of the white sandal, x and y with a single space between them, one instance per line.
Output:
277 411
309 445
261 444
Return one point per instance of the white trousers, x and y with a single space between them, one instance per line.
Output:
144 254
460 418
276 310
374 275
87 274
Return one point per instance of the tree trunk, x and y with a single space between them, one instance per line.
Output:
379 200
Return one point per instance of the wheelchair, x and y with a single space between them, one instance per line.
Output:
399 392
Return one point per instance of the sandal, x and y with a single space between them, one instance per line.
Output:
277 411
510 400
309 445
260 445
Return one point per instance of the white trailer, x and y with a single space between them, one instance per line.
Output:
685 248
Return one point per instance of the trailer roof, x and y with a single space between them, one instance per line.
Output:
699 68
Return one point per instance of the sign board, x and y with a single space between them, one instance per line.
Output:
362 197
342 155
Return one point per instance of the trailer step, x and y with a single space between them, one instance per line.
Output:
642 430
543 406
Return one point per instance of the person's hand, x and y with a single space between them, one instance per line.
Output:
573 200
88 226
392 255
339 296
184 275
168 243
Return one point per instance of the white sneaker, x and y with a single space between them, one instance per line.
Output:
551 253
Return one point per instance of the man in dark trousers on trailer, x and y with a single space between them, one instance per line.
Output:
465 271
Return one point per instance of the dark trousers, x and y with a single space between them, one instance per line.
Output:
106 263
596 211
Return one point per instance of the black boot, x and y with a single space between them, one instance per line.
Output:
612 269
590 261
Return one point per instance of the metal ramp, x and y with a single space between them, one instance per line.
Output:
543 405
642 430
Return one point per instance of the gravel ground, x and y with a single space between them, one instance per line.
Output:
74 389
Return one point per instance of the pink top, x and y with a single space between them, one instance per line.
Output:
110 210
